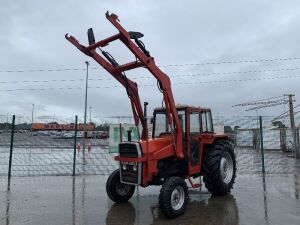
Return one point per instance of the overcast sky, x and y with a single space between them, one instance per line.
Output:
176 33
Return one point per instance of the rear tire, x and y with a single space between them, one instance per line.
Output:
173 197
117 191
219 167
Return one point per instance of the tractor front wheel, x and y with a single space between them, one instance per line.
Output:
173 197
117 191
219 167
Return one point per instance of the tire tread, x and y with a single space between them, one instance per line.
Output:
165 199
212 177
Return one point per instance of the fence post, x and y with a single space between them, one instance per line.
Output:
75 145
297 144
120 132
262 145
11 145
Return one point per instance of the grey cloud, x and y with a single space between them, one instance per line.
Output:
176 32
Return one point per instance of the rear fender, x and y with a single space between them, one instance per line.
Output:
208 139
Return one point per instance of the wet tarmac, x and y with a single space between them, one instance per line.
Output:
50 200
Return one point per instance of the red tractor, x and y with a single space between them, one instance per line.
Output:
183 144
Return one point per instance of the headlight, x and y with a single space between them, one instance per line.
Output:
134 168
124 166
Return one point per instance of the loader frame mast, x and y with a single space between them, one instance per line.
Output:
142 60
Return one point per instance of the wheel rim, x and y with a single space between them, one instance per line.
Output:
122 189
177 198
226 168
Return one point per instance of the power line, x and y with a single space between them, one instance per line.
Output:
261 101
239 72
264 103
40 81
170 65
285 114
147 77
145 85
267 105
268 98
240 80
236 62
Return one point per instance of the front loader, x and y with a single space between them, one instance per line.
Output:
183 144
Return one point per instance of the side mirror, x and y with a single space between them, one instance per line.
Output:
152 120
91 36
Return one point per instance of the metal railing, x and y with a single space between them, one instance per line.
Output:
34 154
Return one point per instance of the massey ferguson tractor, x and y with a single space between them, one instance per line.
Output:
183 144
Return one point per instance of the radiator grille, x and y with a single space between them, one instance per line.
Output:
128 150
130 172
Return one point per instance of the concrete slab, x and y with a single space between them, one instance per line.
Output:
82 200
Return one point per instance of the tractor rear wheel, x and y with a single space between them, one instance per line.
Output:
173 197
219 167
117 191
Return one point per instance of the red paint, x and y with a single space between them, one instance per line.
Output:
157 148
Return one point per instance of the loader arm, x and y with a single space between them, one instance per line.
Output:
143 59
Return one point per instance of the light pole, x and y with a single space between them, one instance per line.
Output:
32 118
85 102
90 114
6 126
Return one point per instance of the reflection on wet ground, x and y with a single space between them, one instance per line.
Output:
256 199
202 209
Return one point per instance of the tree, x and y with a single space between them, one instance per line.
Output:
227 129
235 129
103 127
278 124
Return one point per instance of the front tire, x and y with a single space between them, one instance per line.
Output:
117 191
173 197
219 168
